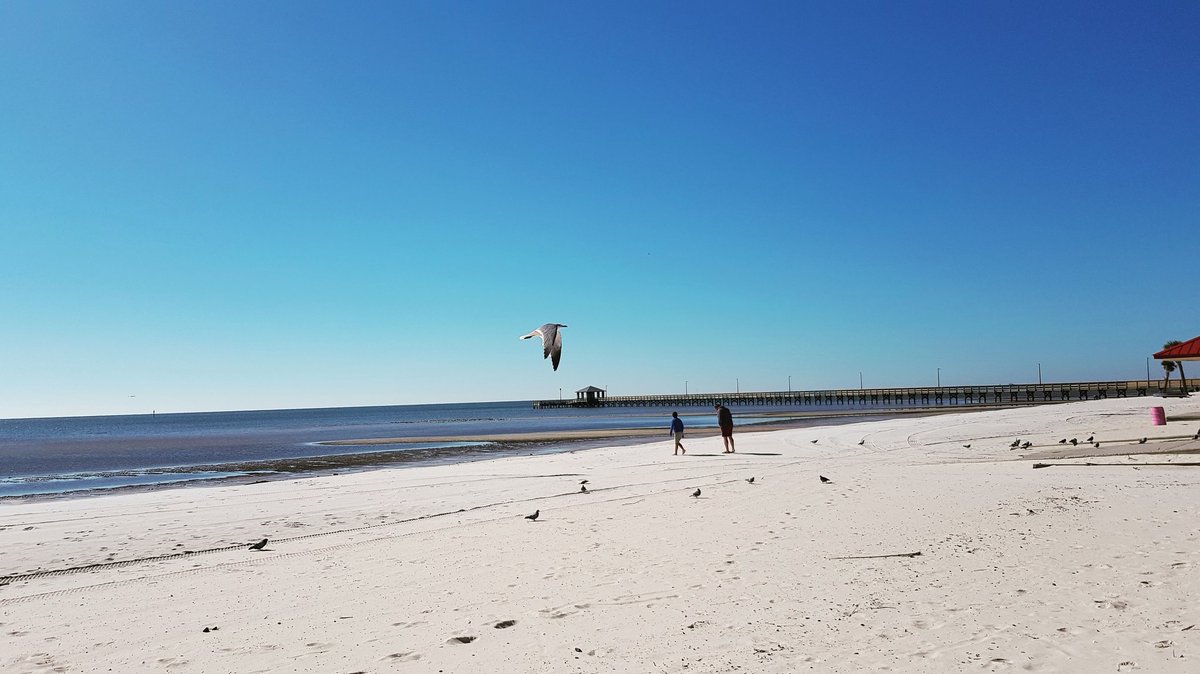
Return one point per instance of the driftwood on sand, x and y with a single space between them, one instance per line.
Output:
1127 465
898 554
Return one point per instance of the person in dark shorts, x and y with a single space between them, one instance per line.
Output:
725 421
677 432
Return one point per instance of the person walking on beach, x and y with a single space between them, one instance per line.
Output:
677 432
725 421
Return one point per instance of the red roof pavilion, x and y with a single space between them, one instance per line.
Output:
1189 350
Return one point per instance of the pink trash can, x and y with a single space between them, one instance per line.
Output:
1158 416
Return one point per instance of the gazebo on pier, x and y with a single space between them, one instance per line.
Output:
590 396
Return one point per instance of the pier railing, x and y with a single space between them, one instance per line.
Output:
939 396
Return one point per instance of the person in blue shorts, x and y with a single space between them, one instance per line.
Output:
677 432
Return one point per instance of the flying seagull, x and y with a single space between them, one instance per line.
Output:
825 480
259 545
551 341
534 516
696 494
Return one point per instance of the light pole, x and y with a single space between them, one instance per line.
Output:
860 381
1039 374
939 377
560 393
737 385
789 383
1147 371
684 387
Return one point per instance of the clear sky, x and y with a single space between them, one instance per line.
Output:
239 205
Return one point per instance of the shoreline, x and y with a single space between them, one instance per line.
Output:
489 446
932 546
477 447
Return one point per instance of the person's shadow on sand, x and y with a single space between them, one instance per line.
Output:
740 453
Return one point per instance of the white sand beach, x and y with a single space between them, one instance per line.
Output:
1069 568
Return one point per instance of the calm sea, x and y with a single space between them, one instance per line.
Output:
53 456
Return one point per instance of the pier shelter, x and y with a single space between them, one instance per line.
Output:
590 395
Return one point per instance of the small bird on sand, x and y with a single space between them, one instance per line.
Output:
1196 436
1142 441
1026 445
1096 445
966 446
814 441
551 341
696 494
259 545
825 480
1015 443
1074 441
750 480
583 489
1091 438
861 441
534 516
1063 441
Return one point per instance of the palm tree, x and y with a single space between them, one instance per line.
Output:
1170 365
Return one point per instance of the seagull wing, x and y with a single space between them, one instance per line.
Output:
548 331
535 333
555 350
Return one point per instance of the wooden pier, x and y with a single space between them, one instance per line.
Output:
909 397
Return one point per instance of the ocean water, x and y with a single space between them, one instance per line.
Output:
54 456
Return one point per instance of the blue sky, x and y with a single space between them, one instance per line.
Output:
239 205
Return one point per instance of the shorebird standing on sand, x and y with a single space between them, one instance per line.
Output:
551 341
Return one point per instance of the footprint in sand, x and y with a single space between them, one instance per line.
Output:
403 657
504 624
461 640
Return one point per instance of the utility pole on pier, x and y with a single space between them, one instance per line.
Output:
939 377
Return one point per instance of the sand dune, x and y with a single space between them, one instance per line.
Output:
435 569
